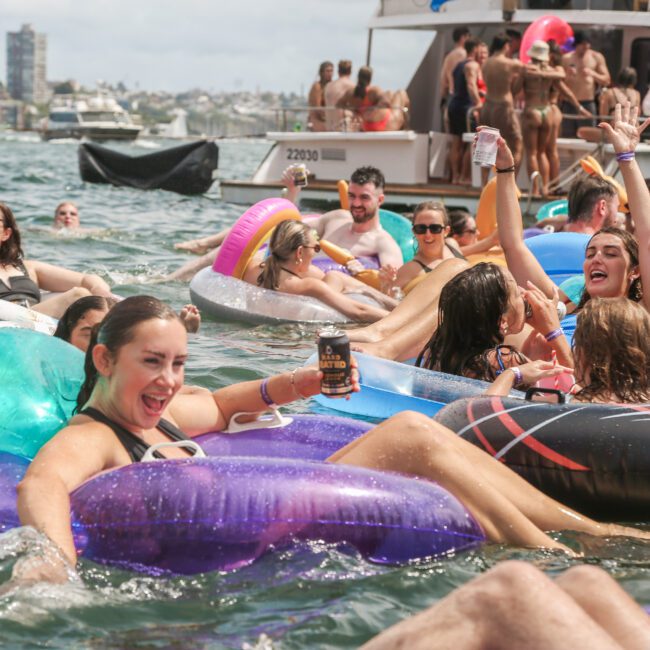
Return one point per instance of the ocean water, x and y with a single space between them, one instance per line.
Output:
308 597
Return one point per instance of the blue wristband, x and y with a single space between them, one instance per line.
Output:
625 156
518 376
555 334
264 393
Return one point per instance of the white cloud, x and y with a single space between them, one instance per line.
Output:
219 45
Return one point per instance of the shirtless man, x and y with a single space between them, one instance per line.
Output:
536 79
316 96
453 58
358 230
498 111
585 70
335 119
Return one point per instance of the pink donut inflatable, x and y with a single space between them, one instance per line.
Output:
249 232
544 29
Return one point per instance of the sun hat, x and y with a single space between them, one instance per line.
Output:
539 51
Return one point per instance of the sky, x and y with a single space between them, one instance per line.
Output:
216 45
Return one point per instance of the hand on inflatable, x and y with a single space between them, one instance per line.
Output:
624 132
387 277
544 318
533 371
355 267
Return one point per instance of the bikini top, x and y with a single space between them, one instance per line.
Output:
455 252
21 288
136 447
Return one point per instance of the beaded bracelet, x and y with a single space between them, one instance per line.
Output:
264 393
293 385
551 336
518 376
625 156
505 170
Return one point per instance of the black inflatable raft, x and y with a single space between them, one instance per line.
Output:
186 169
592 457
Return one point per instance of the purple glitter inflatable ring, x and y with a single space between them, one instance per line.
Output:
197 515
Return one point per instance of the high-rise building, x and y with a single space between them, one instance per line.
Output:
26 55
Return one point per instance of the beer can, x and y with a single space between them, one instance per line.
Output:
299 175
334 362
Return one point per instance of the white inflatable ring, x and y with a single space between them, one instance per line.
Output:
249 232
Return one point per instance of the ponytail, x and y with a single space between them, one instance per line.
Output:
364 78
287 237
90 372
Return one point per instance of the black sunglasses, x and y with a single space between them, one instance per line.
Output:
316 248
433 228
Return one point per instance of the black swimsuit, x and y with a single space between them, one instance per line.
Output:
454 251
21 288
136 447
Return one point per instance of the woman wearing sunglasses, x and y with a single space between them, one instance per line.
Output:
288 268
430 227
464 233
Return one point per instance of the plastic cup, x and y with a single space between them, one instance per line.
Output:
485 152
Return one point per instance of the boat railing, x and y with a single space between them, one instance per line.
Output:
297 118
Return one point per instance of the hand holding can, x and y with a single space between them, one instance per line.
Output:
335 363
299 175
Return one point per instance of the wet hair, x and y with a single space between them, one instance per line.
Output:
584 194
478 295
457 221
499 42
580 37
471 44
435 206
368 174
77 310
626 78
118 329
612 347
345 67
364 77
635 291
459 32
287 237
58 207
11 251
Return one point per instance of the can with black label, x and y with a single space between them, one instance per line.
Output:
334 362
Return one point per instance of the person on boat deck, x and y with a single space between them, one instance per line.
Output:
374 108
514 605
449 63
615 264
316 97
430 227
586 70
624 91
76 324
288 268
337 119
21 280
464 234
535 80
130 400
357 230
66 215
465 98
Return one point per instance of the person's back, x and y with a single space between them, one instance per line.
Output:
451 60
334 91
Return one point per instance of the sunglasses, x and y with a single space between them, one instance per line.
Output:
471 231
316 248
433 228
507 351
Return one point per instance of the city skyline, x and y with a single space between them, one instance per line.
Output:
271 46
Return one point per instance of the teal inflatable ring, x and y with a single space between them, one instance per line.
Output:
40 377
399 228
553 209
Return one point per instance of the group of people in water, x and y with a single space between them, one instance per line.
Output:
341 105
482 321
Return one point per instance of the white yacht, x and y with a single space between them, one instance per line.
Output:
98 119
413 161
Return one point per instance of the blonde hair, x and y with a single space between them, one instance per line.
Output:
612 350
287 237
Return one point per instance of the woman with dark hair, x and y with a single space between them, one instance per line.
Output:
464 233
316 98
76 324
288 268
623 91
615 264
130 401
377 110
21 280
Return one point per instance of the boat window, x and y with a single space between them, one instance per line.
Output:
640 61
63 117
99 116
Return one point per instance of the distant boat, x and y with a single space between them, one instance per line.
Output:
186 169
98 119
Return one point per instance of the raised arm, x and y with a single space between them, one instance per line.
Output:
624 134
56 278
521 262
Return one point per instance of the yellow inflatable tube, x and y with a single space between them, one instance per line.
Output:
343 256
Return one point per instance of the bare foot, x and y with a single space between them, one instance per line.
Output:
362 335
191 317
193 246
375 349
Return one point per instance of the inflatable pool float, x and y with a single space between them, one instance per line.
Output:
389 387
12 315
592 457
561 254
544 29
552 209
573 288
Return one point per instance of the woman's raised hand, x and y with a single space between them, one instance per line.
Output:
533 371
624 133
544 316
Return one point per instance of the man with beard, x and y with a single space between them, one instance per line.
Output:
357 230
